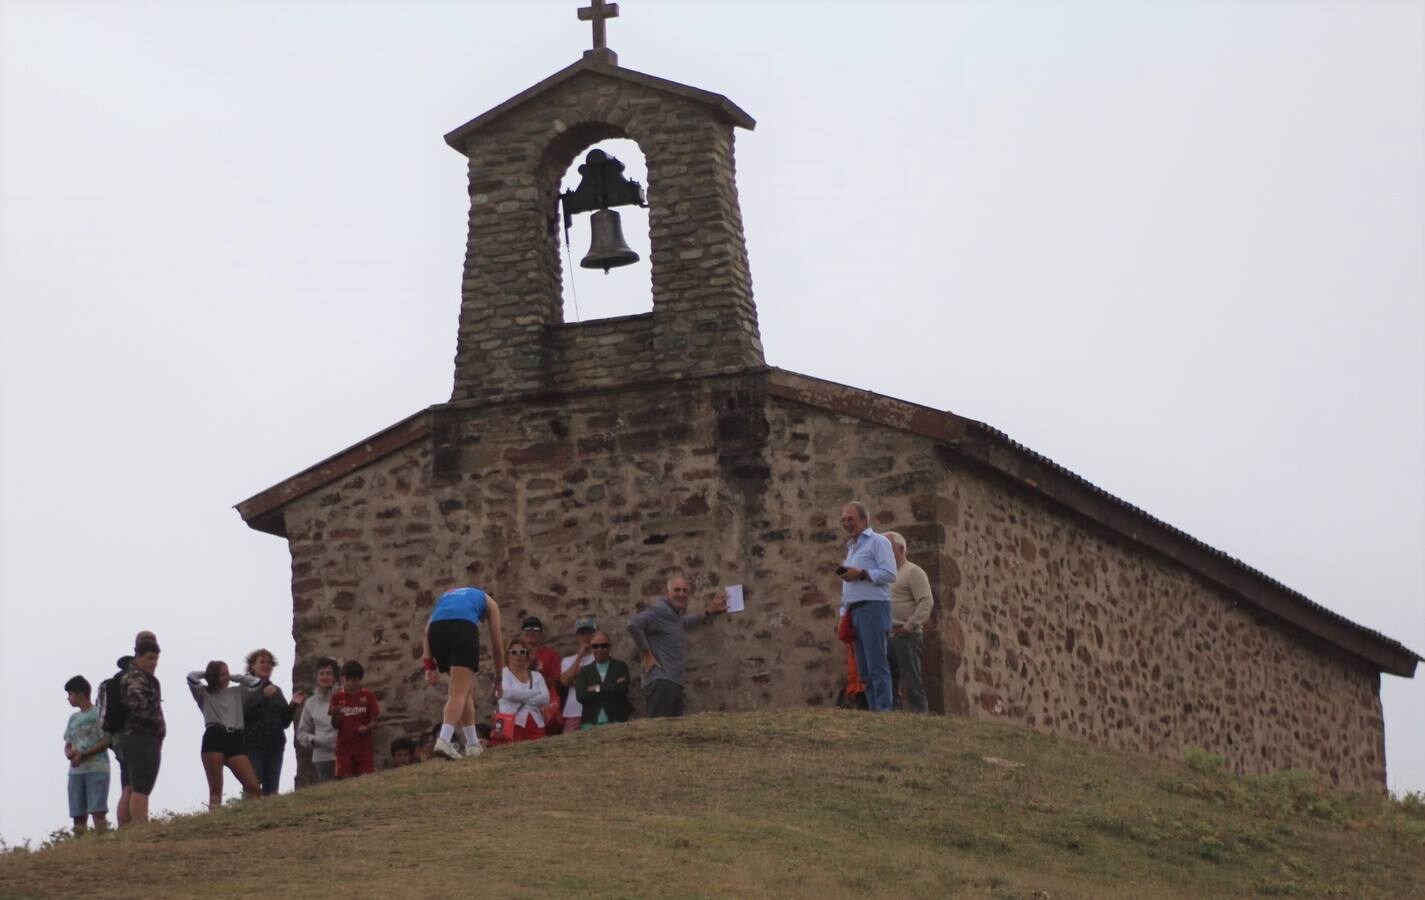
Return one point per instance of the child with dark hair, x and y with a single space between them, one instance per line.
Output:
426 749
86 748
403 752
314 729
221 701
353 712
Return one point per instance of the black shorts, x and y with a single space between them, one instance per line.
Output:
221 739
142 755
119 757
455 642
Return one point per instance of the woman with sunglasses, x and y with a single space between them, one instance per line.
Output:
523 697
452 644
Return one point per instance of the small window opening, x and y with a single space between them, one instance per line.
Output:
627 290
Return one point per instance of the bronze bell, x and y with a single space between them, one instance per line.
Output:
607 248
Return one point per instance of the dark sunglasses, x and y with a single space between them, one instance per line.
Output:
519 653
601 646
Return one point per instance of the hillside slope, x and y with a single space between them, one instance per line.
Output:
767 804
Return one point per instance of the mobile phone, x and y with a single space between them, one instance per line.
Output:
841 570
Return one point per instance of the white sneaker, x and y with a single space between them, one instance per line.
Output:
473 750
446 749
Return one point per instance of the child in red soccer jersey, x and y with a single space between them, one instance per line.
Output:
354 710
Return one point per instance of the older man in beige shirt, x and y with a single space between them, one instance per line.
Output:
911 602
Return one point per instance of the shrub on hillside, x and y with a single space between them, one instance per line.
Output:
1413 804
1204 761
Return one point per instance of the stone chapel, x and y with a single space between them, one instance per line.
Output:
576 465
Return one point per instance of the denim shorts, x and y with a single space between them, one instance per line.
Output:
88 793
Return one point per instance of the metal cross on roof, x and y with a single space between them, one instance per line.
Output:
597 12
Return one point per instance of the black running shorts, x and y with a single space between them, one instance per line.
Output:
455 642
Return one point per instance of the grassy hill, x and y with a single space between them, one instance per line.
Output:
768 804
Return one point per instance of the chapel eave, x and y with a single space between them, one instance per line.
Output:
263 510
731 112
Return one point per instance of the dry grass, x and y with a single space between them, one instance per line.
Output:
768 804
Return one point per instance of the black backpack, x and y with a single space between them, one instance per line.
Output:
112 711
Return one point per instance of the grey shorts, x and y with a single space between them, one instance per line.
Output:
142 754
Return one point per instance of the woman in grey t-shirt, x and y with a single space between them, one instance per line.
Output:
221 698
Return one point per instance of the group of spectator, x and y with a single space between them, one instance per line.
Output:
538 692
885 602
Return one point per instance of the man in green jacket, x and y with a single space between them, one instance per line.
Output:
602 686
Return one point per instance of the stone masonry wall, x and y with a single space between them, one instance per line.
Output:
601 352
1065 630
557 508
820 462
586 503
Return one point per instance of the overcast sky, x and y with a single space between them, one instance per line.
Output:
1176 247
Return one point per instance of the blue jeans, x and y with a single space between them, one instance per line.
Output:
872 622
268 766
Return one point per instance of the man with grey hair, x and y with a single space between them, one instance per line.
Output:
661 632
911 602
866 576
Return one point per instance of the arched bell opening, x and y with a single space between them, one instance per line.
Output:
587 291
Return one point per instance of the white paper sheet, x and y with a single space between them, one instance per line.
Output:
734 598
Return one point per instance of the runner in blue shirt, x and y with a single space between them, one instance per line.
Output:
452 644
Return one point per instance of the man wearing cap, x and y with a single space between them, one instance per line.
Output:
547 661
125 789
661 632
144 727
584 630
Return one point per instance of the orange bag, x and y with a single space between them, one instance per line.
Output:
845 630
503 731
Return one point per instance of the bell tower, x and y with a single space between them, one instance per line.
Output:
513 340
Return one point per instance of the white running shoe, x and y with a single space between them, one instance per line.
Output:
446 749
473 750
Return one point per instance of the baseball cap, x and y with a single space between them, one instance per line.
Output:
585 623
531 622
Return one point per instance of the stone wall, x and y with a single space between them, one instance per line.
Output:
559 507
821 461
586 503
602 352
1067 630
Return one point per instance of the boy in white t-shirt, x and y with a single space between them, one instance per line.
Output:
87 749
569 668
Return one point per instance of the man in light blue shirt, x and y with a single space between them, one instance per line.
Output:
866 578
